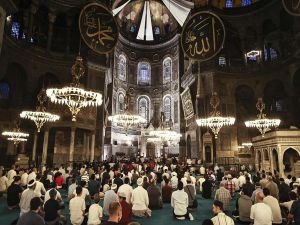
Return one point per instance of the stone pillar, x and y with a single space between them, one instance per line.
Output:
2 25
45 147
51 19
92 153
87 146
34 147
280 160
72 142
271 161
84 145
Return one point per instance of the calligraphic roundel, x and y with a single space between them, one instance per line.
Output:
292 7
98 28
203 36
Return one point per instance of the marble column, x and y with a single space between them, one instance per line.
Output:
92 153
2 25
87 146
280 160
72 142
45 147
34 147
84 145
51 19
271 160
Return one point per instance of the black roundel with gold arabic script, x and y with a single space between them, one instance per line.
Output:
98 28
203 36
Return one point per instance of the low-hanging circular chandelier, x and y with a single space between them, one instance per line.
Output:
15 135
125 118
166 134
262 123
40 116
74 96
215 121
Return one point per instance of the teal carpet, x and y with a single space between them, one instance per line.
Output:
159 217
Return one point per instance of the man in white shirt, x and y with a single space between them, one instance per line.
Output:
274 205
126 189
260 212
85 192
221 218
109 197
32 175
11 174
77 208
174 181
202 170
39 187
180 203
95 212
241 180
72 188
140 200
26 197
24 178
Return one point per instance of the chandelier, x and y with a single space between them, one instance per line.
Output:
16 135
125 118
74 96
165 134
40 116
262 123
215 121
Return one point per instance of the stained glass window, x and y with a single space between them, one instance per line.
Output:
144 73
167 68
4 90
122 67
246 2
167 107
229 4
143 107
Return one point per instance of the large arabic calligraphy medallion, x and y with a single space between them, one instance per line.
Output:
98 28
203 36
292 7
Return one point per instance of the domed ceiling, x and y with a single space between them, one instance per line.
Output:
150 21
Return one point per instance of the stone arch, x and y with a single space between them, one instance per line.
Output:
188 147
291 160
17 77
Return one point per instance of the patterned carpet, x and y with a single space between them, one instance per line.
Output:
159 217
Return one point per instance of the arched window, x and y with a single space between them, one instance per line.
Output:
4 90
143 107
167 107
229 4
122 68
144 73
270 54
120 105
222 61
246 2
167 69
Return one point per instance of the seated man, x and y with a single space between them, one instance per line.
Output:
77 208
14 193
244 204
126 209
166 192
221 218
52 210
115 214
180 203
155 200
95 212
140 201
32 217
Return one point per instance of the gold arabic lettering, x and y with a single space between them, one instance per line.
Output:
196 50
100 35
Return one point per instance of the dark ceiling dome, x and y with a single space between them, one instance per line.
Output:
64 5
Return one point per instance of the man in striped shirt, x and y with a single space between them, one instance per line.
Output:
220 218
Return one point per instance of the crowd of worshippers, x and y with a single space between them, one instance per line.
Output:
127 191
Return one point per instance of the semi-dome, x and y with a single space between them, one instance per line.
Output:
150 21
